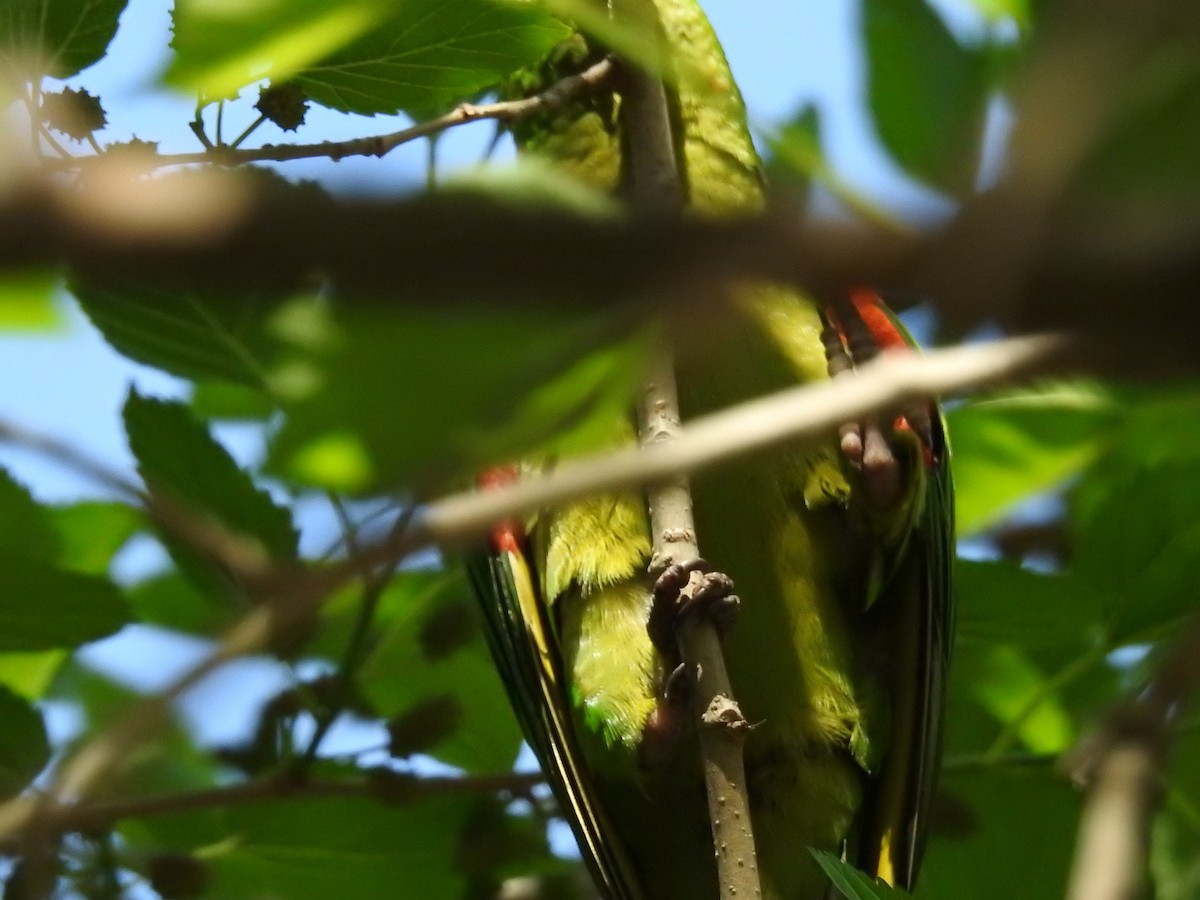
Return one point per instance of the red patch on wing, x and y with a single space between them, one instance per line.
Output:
509 535
888 337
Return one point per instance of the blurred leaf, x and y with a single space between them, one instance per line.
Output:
1017 841
30 675
1011 446
1019 694
853 883
1016 10
1153 150
1139 550
1175 845
400 672
189 336
172 601
93 531
177 455
1000 602
927 92
26 528
24 746
340 846
449 392
63 36
45 607
27 301
361 56
430 54
222 47
228 401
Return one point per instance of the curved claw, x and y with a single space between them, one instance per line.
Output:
671 606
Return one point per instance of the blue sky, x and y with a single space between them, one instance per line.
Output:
70 384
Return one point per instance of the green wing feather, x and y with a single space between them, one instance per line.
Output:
898 813
527 655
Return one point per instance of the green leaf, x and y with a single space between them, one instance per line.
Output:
362 56
320 847
1139 548
430 54
27 301
1000 833
63 36
1020 693
172 600
999 602
92 532
993 10
231 402
449 392
222 47
176 454
854 883
30 675
25 526
1152 152
927 93
44 607
186 335
24 746
409 664
1009 447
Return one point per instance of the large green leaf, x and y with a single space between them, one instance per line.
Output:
363 56
1153 150
222 47
418 393
92 532
429 54
999 602
1139 549
25 527
42 607
177 455
24 746
1020 443
1000 833
187 335
926 91
64 36
346 846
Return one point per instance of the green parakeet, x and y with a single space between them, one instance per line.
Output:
839 654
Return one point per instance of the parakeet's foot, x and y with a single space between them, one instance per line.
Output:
713 598
661 733
856 331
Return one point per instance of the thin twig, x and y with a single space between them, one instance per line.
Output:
553 97
656 188
386 785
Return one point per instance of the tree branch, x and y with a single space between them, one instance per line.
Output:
1121 764
557 95
888 383
656 188
385 785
